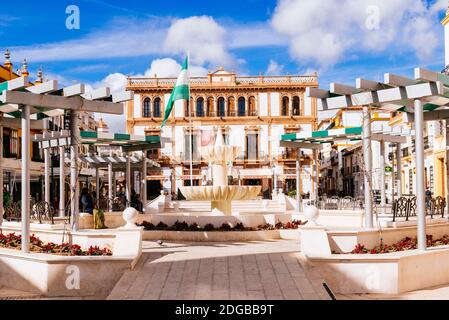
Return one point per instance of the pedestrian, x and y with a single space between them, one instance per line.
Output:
86 201
428 197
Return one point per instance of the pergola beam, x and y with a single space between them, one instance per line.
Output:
302 145
75 90
75 103
428 116
388 138
342 89
15 84
15 123
397 81
46 87
369 85
141 147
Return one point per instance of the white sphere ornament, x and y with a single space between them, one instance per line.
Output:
312 213
130 216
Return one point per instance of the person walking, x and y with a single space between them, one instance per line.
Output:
428 197
86 201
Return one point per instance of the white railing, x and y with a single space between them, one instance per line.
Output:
239 80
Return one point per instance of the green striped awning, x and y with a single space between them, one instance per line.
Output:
324 136
116 139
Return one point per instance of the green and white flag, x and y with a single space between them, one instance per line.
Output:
180 91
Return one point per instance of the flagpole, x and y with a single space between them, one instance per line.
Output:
190 122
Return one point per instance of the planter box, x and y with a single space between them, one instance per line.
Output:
221 236
56 276
212 236
390 273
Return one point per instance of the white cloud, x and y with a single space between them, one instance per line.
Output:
274 68
202 36
166 67
327 32
123 38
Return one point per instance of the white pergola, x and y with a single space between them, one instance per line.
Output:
315 139
114 142
22 100
428 91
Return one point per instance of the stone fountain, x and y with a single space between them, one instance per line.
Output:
220 193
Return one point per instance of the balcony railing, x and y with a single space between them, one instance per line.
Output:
201 81
252 156
288 155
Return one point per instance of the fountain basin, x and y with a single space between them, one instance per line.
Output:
221 193
221 196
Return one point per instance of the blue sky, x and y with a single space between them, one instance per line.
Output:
340 39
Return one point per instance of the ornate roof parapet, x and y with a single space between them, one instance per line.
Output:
24 70
8 63
40 77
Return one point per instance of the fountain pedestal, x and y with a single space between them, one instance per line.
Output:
224 206
220 194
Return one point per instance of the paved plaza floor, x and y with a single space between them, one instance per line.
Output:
255 270
220 271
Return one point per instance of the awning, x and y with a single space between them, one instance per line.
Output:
128 142
325 136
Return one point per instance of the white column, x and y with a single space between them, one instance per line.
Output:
143 192
47 165
446 123
393 172
128 177
26 179
1 172
97 187
74 183
110 185
298 180
367 155
383 192
420 192
399 168
61 182
316 176
275 178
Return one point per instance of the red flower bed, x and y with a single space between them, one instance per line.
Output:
403 245
13 241
183 226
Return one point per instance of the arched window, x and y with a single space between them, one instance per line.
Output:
252 106
285 102
146 108
241 107
221 107
200 107
157 108
296 106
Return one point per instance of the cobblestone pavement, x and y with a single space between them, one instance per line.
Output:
220 271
